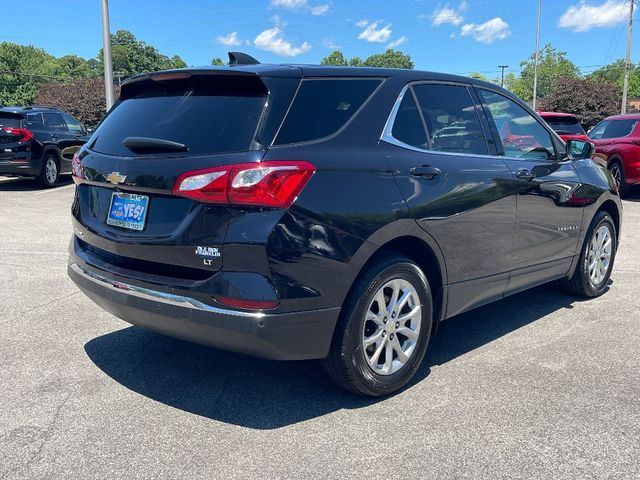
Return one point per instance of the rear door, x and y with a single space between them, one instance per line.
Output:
548 220
457 190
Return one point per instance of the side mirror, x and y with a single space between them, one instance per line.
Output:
580 149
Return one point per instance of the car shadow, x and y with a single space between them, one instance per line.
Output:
30 184
263 394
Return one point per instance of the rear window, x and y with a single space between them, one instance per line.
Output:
9 120
207 114
323 106
565 125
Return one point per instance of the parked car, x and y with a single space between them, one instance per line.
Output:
617 141
38 142
566 125
317 212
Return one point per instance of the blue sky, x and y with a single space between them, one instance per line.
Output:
452 36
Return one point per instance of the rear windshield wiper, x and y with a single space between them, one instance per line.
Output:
153 145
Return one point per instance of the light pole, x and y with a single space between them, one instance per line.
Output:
535 60
106 55
502 67
625 85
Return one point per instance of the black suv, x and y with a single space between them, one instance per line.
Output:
314 212
38 142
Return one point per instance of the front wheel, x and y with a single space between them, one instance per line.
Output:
384 329
50 172
596 258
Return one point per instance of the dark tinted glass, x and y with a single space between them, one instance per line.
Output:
34 120
9 120
619 128
451 118
208 115
407 126
54 121
72 124
598 131
322 107
565 125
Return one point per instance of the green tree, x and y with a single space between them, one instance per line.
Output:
588 98
73 66
22 69
389 59
552 65
131 56
614 72
217 62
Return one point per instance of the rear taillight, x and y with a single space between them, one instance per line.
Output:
247 304
77 172
25 135
264 184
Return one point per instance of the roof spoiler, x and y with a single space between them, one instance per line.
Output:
239 58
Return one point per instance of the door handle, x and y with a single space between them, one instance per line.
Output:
425 171
525 174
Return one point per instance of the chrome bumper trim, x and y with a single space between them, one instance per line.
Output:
157 296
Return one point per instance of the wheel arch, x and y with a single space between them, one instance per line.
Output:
611 208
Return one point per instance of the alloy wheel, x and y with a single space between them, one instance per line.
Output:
599 255
392 327
51 170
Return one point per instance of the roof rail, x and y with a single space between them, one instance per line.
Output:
239 58
31 107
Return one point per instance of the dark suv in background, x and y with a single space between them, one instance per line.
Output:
299 212
38 142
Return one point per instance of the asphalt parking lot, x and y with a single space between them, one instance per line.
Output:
539 385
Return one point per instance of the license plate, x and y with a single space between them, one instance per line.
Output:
128 210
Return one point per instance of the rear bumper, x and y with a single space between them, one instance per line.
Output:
285 336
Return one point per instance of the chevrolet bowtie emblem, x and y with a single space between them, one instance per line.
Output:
115 177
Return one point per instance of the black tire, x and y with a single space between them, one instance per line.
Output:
346 363
46 178
581 283
617 172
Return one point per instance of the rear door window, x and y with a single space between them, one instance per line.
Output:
451 118
407 126
208 114
35 121
54 121
619 128
323 106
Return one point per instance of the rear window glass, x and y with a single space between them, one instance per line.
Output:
207 114
565 125
322 106
9 120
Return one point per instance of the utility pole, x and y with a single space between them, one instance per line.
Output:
502 67
106 54
627 62
535 61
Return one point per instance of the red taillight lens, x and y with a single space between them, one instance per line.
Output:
247 304
265 184
25 135
77 171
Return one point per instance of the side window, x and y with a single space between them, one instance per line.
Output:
619 128
54 121
598 131
72 124
451 119
407 126
34 121
323 106
521 134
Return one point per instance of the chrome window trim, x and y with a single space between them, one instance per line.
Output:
387 135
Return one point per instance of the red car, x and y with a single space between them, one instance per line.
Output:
617 141
565 124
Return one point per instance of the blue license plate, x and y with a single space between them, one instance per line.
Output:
128 210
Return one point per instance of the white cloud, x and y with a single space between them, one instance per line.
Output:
230 39
319 9
272 40
487 32
585 16
329 43
448 15
291 4
398 42
372 33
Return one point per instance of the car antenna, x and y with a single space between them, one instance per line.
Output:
239 58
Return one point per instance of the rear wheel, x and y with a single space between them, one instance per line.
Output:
50 171
384 329
617 172
596 258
